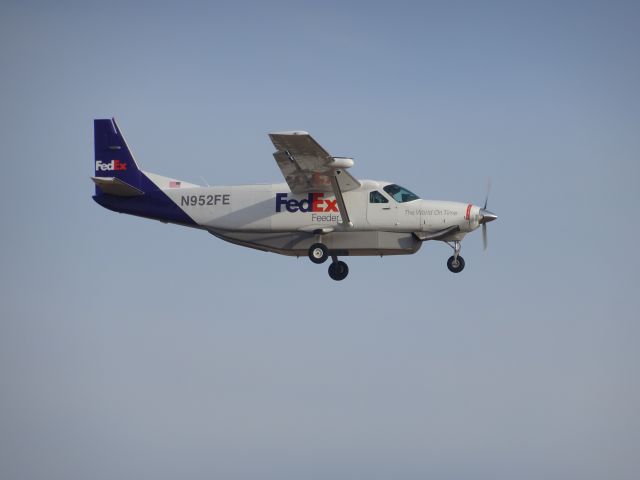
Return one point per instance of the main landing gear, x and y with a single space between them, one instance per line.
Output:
338 270
455 263
319 253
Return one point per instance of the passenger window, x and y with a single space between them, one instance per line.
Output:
377 197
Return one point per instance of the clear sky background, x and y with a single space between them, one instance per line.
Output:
130 349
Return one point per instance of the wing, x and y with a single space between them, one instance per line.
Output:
307 167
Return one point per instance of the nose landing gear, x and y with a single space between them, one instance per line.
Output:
455 263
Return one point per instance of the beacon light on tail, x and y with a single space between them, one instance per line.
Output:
321 211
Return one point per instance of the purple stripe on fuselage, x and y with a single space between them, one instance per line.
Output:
153 204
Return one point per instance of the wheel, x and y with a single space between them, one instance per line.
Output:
338 270
318 253
455 267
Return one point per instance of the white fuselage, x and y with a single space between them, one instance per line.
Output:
270 217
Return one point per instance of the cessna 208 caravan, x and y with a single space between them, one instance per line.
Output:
321 211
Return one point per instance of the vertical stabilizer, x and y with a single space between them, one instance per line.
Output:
113 159
122 187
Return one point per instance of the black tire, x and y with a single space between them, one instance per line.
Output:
455 268
318 253
338 270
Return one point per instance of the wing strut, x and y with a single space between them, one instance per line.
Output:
346 222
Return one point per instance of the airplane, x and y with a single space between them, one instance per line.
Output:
321 211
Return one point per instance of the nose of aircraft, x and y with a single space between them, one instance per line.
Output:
486 216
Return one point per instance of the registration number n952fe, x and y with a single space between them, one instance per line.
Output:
194 200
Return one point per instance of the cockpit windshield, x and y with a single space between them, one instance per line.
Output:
400 194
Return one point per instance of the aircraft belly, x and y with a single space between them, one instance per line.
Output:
343 243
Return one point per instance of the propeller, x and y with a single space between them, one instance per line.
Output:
486 197
486 216
485 241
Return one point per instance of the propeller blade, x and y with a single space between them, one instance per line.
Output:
486 216
484 237
486 198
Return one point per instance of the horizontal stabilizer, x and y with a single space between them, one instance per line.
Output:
439 235
117 187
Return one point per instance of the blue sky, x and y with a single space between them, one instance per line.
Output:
133 349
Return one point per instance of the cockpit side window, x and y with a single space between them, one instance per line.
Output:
400 194
377 197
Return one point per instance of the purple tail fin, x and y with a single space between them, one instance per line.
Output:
121 186
112 155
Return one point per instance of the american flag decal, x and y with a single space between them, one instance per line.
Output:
173 184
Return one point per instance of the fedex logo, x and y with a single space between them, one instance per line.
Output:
113 165
315 202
